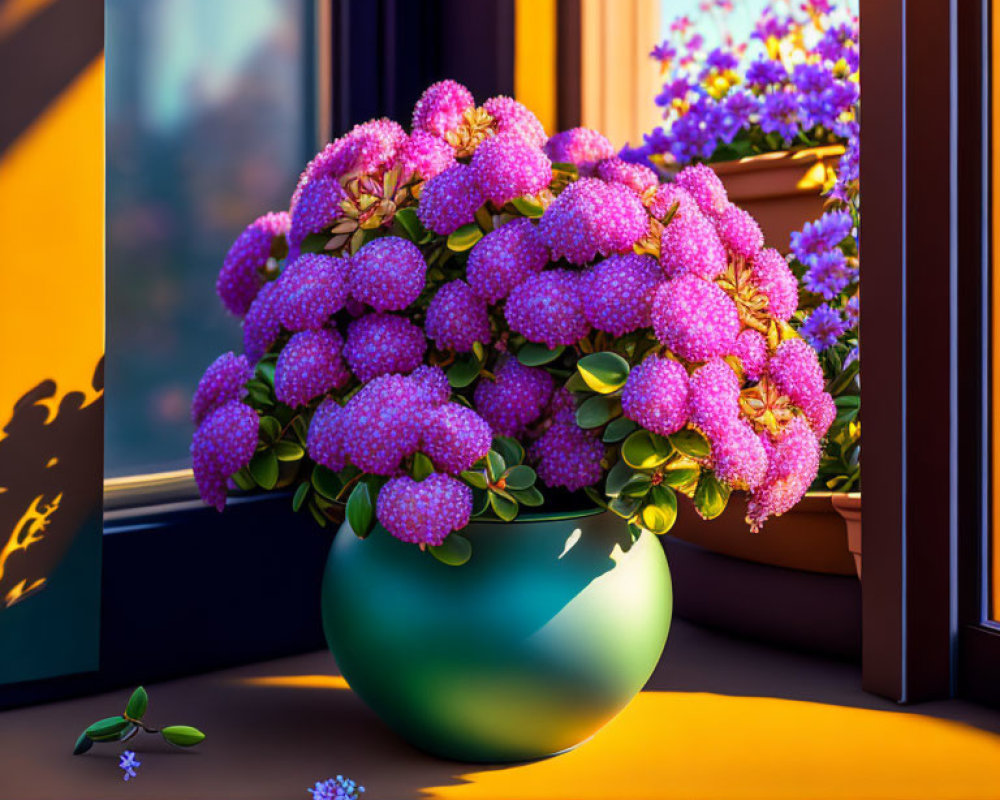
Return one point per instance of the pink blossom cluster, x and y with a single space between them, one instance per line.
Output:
396 349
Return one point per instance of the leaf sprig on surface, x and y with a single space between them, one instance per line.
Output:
122 727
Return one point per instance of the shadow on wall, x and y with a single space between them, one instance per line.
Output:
47 460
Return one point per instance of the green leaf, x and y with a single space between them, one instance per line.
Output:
480 502
474 478
645 450
681 476
243 480
83 744
841 382
107 727
502 507
711 496
464 371
264 469
529 497
182 735
596 411
360 513
495 465
624 507
575 383
527 207
618 476
410 223
265 371
637 486
479 351
570 169
317 513
422 467
137 704
270 429
666 502
326 482
510 449
533 354
260 397
618 429
465 237
300 496
603 372
454 551
519 477
286 450
691 443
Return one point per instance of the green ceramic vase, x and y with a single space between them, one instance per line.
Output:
527 650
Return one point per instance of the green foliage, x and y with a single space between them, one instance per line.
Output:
465 237
535 355
122 727
264 469
360 511
137 704
454 551
690 443
711 496
596 411
465 370
182 735
604 373
645 450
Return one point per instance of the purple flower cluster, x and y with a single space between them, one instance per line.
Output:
616 294
548 308
388 273
504 258
791 89
242 273
311 289
515 399
457 318
450 200
223 381
424 512
656 395
223 444
378 344
398 354
583 147
567 456
591 217
311 364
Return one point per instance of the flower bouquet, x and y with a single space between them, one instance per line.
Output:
473 333
473 318
798 88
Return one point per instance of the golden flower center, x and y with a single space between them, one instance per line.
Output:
477 126
766 408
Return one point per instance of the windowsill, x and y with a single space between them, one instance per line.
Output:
721 718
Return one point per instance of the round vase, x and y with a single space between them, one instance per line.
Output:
525 651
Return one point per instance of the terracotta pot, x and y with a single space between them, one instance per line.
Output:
781 190
849 506
810 537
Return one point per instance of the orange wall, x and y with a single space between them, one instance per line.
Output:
52 229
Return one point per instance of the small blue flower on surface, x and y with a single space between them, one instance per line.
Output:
339 788
128 763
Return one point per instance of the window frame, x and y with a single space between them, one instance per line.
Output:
978 649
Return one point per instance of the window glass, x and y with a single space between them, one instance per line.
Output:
209 121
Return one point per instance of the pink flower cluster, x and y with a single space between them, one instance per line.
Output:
352 334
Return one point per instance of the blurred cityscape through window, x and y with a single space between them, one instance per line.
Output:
210 118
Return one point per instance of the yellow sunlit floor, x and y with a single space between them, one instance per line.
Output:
721 718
